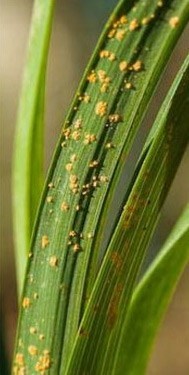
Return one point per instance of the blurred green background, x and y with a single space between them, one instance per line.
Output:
77 24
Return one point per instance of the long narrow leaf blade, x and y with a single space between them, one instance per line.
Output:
99 342
29 148
150 300
92 147
153 43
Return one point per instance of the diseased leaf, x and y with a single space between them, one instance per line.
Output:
99 340
153 44
150 300
96 138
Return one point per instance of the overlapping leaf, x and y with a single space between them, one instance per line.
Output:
150 300
99 345
96 139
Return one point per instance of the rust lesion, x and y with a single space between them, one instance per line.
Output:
44 241
44 363
117 29
116 260
113 307
128 220
108 55
65 206
32 350
173 22
92 77
134 24
53 261
119 35
26 302
83 332
19 367
123 66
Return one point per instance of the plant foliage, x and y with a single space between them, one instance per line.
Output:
73 314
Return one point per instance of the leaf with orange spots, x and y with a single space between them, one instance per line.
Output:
105 351
100 129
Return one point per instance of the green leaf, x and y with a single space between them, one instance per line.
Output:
99 339
151 46
67 226
28 156
150 300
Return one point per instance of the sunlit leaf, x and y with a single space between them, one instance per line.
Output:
29 147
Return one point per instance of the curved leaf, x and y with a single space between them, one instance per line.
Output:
91 150
99 340
28 156
150 300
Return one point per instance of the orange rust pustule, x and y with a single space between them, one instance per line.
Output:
113 306
117 260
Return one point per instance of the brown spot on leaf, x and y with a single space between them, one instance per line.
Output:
26 303
173 22
114 305
83 332
44 241
116 260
